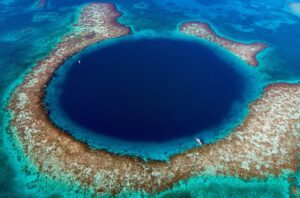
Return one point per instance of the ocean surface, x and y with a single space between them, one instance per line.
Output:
28 32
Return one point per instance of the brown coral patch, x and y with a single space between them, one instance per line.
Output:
246 52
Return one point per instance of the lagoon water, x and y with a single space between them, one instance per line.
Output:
147 90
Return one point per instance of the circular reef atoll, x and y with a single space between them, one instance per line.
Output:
266 143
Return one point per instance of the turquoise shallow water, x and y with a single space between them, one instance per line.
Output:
28 34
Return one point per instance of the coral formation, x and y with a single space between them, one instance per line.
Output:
246 52
267 142
295 8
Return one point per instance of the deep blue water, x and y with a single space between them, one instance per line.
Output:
149 90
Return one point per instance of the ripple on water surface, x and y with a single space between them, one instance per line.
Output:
144 92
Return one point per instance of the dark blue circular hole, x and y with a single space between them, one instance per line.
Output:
150 90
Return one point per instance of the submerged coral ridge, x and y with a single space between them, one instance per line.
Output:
246 52
295 8
267 142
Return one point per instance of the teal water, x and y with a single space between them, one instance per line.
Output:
28 34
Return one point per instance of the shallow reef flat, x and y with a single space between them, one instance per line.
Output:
246 52
266 143
41 3
295 8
